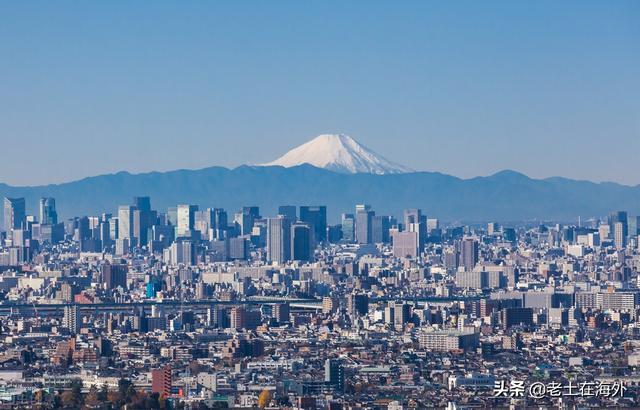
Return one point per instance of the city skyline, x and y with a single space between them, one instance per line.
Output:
467 90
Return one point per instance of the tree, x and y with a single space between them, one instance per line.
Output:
264 399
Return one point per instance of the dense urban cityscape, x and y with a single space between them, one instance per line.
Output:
194 307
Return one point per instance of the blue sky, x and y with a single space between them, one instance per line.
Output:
546 87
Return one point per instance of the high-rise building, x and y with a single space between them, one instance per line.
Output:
468 253
405 244
334 374
619 235
348 227
143 203
415 221
316 218
186 216
143 219
72 319
161 381
243 222
278 239
364 217
357 304
380 226
14 214
114 276
289 211
48 214
281 312
615 217
301 242
125 221
238 317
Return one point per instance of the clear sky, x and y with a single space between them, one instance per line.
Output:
543 87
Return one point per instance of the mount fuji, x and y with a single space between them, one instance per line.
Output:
339 153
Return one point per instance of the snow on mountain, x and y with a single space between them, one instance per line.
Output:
339 153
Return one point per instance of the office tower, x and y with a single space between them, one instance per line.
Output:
633 226
204 223
468 253
348 227
413 216
278 239
380 226
618 216
243 222
238 248
14 214
334 374
48 214
301 242
406 244
161 381
220 223
509 234
515 316
254 211
114 276
414 221
432 224
289 211
143 219
492 228
334 233
357 304
245 219
316 218
619 235
72 319
186 215
172 216
143 203
281 312
125 221
401 314
364 216
182 252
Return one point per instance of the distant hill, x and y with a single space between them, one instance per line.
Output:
505 196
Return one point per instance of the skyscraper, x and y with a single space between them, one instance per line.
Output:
364 217
186 215
301 242
278 239
289 211
618 216
415 221
316 218
14 214
143 218
348 228
380 229
468 253
48 214
125 221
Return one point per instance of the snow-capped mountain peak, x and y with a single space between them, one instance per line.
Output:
339 153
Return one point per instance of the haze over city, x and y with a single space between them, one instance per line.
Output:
545 88
319 205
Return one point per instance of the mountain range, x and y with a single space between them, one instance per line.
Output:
340 173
